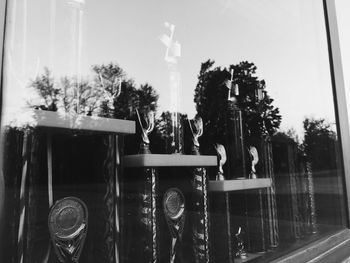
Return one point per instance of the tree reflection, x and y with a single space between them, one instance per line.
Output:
260 115
109 94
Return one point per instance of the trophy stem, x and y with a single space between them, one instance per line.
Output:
49 183
235 145
176 133
154 216
271 193
20 239
311 197
117 202
200 235
199 199
148 211
228 225
49 169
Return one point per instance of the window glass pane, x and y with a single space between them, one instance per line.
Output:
343 8
167 131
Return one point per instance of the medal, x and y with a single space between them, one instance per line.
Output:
68 224
174 211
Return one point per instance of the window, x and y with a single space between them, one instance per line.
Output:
202 131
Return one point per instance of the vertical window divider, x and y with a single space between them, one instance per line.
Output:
338 84
2 180
2 39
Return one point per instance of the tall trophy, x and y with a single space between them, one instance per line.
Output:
68 224
221 217
235 150
172 54
199 200
148 192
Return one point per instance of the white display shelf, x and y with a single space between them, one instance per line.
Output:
169 160
50 119
239 184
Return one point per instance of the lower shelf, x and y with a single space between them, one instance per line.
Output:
239 184
169 160
250 256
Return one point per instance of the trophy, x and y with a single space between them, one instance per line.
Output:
174 211
148 191
147 126
254 159
235 149
220 149
240 253
172 55
68 224
222 223
199 199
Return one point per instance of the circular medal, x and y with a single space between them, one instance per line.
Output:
174 203
68 223
67 218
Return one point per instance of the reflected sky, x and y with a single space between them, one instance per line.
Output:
285 39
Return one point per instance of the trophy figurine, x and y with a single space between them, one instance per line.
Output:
147 126
196 127
240 253
254 158
220 149
174 211
68 224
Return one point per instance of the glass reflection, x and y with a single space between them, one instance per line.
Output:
255 72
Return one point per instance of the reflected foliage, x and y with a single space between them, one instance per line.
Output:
109 94
260 116
320 144
47 90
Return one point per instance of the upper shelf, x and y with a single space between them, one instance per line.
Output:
164 160
239 184
50 119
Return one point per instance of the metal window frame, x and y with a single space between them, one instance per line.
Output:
337 77
2 39
336 246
